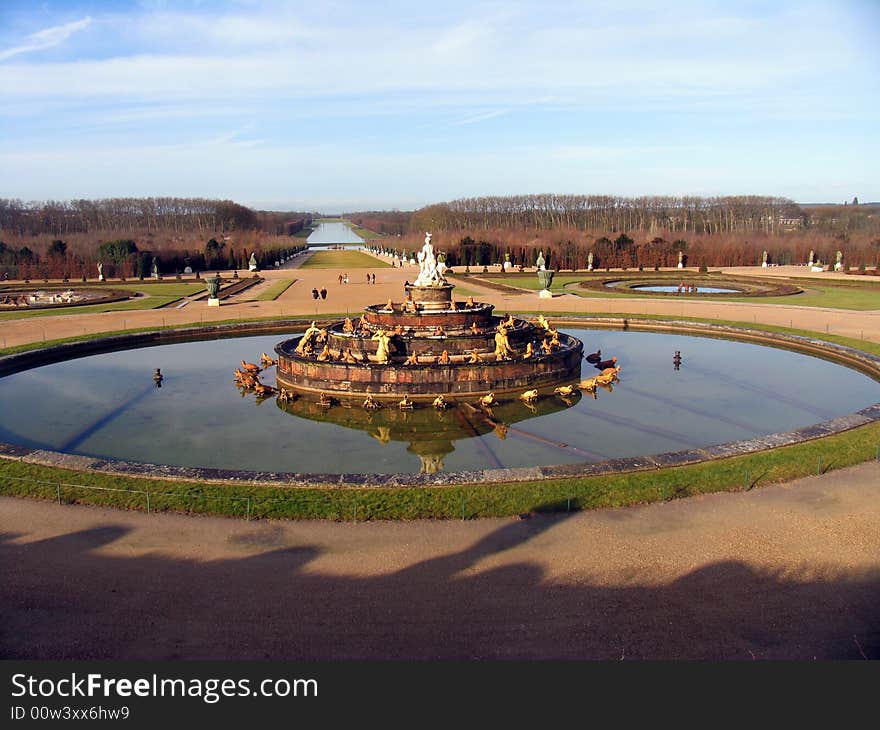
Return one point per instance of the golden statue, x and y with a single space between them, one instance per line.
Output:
488 400
564 390
308 338
503 351
325 355
475 357
370 403
508 322
469 303
474 328
440 402
542 322
444 358
349 357
389 304
324 401
266 361
348 326
411 359
547 347
383 350
439 331
588 385
530 351
530 396
405 403
362 323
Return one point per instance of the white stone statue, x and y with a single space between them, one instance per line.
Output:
429 275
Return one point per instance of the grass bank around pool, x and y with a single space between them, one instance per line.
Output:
342 259
736 474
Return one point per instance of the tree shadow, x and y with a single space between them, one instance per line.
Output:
63 598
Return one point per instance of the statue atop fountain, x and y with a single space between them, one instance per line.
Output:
429 272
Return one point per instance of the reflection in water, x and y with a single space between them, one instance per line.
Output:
431 433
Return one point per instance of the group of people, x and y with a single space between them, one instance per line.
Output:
322 294
343 279
371 278
686 288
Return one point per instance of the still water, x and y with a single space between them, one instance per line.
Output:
107 405
330 233
674 289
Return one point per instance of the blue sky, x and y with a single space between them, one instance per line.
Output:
351 105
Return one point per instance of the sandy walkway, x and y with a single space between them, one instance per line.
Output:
786 571
352 297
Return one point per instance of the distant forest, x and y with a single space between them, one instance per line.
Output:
636 232
55 237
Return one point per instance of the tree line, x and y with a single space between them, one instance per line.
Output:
686 214
62 218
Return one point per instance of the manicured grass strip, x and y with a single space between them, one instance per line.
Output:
342 259
458 502
859 296
275 291
365 233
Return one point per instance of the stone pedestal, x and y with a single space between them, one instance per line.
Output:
545 294
213 302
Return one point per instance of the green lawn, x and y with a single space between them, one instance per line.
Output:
341 259
365 233
275 290
157 295
860 296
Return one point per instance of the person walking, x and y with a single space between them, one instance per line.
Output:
315 294
323 293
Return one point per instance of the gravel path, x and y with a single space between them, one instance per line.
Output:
781 572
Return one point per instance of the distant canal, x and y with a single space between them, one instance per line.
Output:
327 234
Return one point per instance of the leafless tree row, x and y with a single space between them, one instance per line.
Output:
60 218
729 214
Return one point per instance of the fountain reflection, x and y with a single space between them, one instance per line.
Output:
432 433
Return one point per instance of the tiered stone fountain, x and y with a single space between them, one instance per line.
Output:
429 344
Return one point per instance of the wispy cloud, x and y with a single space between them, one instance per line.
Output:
46 38
482 117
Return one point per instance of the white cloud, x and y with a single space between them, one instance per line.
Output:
46 38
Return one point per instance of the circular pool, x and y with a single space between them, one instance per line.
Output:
108 406
669 289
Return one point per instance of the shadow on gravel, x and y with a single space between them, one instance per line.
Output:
62 598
